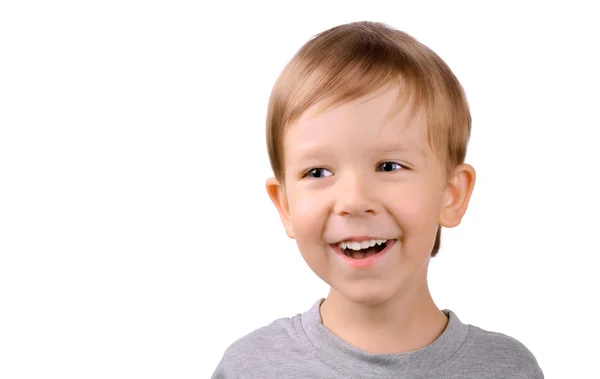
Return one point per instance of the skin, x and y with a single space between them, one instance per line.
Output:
361 169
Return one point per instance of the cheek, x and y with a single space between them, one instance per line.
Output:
419 223
416 207
308 214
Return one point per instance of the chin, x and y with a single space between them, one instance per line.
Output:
366 295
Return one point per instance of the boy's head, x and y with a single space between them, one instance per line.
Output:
367 132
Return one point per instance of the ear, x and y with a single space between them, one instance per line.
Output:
278 196
457 195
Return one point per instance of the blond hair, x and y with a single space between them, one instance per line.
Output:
352 60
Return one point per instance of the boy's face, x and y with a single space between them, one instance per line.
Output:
350 178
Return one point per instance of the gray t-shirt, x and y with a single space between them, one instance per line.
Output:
301 347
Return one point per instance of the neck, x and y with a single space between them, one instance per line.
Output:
406 322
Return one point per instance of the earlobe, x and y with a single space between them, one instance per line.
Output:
278 196
458 193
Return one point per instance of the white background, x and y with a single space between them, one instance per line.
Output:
136 238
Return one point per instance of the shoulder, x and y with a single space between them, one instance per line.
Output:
270 338
263 349
501 353
499 344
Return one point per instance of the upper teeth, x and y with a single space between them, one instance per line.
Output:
360 245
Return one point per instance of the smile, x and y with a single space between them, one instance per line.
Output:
362 254
363 249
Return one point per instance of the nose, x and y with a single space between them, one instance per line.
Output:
355 197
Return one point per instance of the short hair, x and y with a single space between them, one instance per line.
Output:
352 60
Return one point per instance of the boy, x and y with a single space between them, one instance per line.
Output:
367 132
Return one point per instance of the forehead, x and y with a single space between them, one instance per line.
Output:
383 118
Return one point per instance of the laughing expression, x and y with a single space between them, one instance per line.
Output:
362 195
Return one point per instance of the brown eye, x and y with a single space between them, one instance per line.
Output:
389 166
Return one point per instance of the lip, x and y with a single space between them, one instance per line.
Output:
366 262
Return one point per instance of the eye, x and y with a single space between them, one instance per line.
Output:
317 173
389 166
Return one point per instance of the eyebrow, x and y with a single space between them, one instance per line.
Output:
316 152
313 153
401 148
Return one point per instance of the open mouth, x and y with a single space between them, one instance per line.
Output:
356 250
